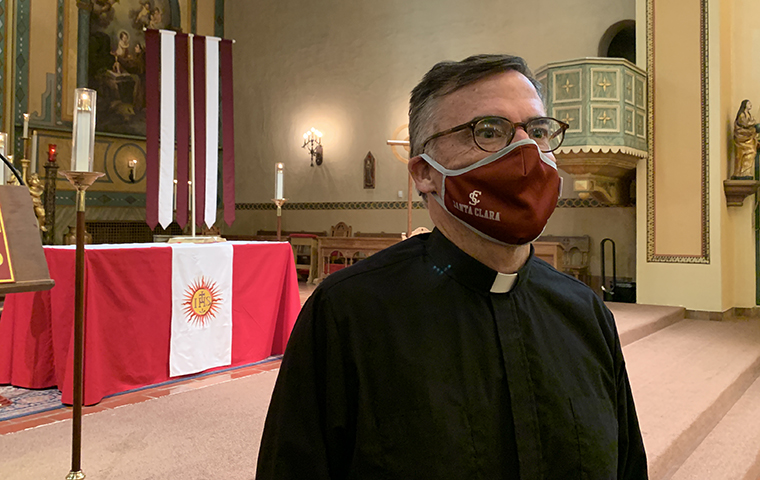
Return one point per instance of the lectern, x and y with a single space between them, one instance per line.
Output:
20 243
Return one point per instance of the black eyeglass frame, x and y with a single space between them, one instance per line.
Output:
471 125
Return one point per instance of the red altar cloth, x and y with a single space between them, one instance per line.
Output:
128 317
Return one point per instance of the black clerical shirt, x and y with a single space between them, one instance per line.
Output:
406 366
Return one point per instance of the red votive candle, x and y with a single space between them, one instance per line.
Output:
51 152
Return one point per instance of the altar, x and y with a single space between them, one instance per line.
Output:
128 316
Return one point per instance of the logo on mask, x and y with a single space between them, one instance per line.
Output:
474 197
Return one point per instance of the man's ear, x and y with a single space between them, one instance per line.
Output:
422 174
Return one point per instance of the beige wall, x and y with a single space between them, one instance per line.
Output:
729 279
618 223
346 68
42 36
677 129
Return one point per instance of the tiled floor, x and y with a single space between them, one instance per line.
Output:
129 398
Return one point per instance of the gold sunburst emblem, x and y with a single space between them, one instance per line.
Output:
202 301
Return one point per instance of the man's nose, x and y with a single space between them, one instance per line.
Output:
520 134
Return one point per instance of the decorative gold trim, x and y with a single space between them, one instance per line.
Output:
632 84
556 87
595 108
632 111
593 84
7 252
704 257
557 111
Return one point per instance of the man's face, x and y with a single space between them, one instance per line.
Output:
509 95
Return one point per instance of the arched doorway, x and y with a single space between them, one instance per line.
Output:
619 41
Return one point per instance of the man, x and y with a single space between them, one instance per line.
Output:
458 354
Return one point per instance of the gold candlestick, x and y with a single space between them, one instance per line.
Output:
279 202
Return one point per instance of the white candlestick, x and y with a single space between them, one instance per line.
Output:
26 126
34 152
279 180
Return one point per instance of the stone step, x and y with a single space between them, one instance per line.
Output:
732 450
685 378
637 321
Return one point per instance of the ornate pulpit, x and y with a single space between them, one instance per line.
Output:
604 102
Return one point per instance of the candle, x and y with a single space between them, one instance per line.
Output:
51 152
34 152
278 181
174 200
26 126
84 130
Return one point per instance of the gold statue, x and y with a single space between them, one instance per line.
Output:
745 143
36 189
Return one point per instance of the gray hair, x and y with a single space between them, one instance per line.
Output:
447 77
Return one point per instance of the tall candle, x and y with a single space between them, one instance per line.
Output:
26 126
82 151
34 152
279 180
84 130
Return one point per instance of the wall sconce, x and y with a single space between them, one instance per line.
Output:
312 141
132 166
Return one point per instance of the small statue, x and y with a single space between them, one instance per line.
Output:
36 189
745 143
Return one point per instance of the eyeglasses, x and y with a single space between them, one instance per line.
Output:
491 134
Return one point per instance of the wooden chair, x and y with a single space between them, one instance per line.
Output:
337 260
340 229
305 253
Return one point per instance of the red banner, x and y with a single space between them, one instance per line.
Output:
228 133
199 90
183 126
6 271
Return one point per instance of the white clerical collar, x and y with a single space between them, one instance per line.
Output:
503 282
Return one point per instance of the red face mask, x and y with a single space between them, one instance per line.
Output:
506 197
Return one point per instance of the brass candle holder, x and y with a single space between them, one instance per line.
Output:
279 202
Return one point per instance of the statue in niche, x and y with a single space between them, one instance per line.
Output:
369 171
745 143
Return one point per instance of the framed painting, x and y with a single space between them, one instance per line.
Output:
116 63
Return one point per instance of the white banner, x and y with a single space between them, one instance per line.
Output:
212 127
166 141
201 335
